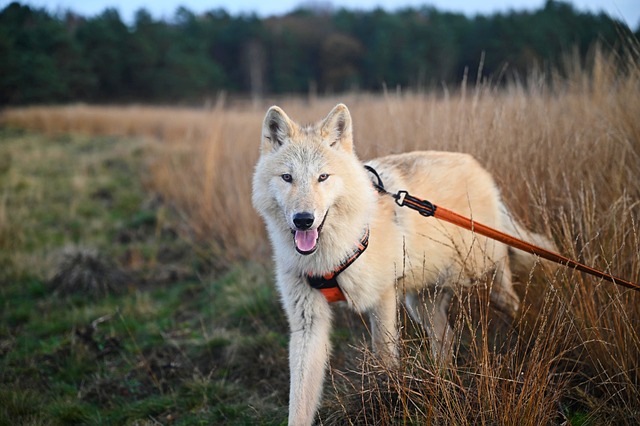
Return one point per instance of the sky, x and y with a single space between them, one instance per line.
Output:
626 10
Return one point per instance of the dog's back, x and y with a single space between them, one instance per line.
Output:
437 252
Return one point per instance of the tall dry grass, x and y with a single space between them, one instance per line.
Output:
566 154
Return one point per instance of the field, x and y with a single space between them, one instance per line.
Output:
136 283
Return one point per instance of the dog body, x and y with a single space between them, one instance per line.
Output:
317 201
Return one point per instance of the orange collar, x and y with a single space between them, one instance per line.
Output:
328 283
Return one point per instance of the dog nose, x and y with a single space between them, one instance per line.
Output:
303 220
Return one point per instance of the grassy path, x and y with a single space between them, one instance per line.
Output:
106 315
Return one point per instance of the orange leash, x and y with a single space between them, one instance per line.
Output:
426 208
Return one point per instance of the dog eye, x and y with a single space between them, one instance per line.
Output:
323 177
287 177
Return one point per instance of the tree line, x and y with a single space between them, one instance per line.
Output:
64 57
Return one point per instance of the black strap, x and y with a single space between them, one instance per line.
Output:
378 186
319 282
329 280
424 207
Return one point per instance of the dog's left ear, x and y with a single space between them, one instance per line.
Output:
337 130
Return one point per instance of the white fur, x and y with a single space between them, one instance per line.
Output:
407 255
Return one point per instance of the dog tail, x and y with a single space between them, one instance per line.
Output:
522 262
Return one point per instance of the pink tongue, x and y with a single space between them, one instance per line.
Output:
306 240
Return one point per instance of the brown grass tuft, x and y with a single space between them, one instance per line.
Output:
82 271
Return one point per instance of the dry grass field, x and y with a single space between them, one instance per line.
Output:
565 150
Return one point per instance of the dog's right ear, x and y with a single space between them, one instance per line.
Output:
277 129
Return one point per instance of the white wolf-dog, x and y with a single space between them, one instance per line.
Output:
322 211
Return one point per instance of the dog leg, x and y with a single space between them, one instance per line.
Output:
384 331
503 294
309 348
431 310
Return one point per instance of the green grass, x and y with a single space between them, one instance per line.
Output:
170 344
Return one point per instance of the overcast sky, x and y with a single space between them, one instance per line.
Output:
626 10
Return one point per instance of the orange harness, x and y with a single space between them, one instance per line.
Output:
328 283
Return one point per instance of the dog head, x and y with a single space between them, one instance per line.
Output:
303 174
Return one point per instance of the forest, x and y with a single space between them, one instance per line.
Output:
191 58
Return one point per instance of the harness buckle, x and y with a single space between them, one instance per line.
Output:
424 207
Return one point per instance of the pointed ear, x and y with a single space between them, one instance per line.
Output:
336 128
276 129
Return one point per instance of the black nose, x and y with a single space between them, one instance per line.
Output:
303 220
